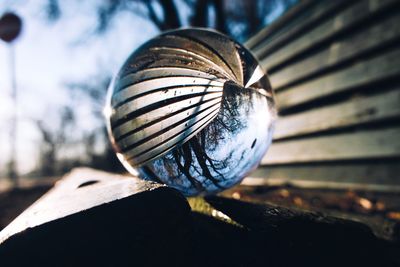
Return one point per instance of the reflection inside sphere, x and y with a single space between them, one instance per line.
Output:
192 109
230 146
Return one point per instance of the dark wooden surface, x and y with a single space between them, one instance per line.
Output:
120 221
15 200
91 218
251 234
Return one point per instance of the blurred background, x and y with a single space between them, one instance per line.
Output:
334 67
55 73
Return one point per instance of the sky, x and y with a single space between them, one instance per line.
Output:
48 55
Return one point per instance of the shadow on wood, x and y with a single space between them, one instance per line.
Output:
92 218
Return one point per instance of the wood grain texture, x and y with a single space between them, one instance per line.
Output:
355 111
292 15
364 175
334 67
93 218
92 188
342 21
371 144
362 73
348 47
304 20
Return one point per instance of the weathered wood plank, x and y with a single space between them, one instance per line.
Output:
355 111
371 144
300 23
58 202
293 15
377 176
92 218
326 202
360 74
349 17
348 47
279 236
277 226
321 184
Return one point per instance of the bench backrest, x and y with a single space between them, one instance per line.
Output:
335 69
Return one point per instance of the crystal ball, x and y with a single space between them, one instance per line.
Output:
192 109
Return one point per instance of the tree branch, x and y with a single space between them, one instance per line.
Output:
171 15
153 16
220 18
199 18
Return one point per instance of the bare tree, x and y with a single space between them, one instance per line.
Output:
237 18
95 92
53 140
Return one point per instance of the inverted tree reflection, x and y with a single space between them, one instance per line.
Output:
213 159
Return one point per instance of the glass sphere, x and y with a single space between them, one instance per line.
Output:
192 109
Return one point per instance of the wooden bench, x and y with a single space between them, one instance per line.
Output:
92 218
335 69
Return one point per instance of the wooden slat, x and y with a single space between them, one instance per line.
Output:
291 15
62 200
370 174
349 47
320 184
300 23
360 74
352 112
334 25
381 143
329 49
